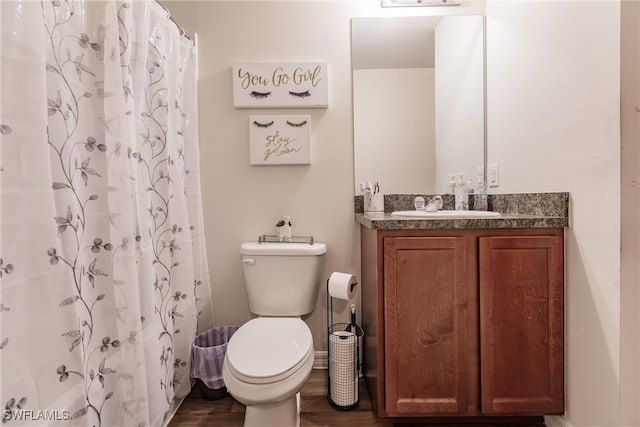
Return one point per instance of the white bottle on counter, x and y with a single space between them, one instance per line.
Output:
461 194
451 187
480 196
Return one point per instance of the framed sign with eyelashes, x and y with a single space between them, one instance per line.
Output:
280 140
280 85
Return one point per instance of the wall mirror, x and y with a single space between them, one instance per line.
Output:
418 101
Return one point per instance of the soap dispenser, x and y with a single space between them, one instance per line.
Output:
461 194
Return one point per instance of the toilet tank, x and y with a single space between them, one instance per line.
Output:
282 279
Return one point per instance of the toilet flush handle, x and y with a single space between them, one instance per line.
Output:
249 261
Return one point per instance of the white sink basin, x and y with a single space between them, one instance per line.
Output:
447 214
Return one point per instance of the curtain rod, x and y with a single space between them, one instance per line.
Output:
182 31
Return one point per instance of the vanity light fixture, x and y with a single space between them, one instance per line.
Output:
401 3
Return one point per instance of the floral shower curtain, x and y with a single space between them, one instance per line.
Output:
103 274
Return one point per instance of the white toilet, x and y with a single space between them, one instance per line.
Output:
270 357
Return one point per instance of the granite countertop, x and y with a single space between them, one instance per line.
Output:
531 210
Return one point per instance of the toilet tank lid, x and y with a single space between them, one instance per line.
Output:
290 249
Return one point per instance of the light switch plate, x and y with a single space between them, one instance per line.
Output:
494 175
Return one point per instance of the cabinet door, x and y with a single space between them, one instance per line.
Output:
521 324
425 282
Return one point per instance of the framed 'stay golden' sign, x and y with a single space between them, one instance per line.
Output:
280 85
280 140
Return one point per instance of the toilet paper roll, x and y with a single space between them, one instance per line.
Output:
342 285
343 377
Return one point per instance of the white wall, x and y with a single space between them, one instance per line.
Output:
553 76
241 201
554 117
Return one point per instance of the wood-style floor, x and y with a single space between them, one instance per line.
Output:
315 409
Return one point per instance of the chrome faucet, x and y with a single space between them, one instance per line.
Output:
434 203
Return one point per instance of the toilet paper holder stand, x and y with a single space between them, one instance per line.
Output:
330 304
343 395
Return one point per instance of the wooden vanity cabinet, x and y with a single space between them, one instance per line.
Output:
521 324
463 323
425 316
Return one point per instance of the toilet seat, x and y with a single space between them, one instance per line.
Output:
269 349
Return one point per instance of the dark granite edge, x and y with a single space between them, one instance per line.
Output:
380 221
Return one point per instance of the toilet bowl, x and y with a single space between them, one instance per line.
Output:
271 356
268 360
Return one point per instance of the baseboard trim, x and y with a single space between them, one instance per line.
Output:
556 421
321 360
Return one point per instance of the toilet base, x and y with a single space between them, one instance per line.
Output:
279 414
